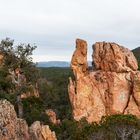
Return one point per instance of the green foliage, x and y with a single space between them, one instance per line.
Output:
17 58
119 118
136 53
9 97
110 127
34 110
53 87
106 129
66 129
5 82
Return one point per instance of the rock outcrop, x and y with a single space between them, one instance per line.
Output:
52 116
112 87
13 128
1 58
41 132
112 57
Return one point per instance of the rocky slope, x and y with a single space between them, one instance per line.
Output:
112 87
12 128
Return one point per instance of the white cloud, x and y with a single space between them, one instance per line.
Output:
56 24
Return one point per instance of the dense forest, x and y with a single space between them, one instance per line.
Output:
52 84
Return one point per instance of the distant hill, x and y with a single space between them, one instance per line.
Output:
53 64
56 64
136 52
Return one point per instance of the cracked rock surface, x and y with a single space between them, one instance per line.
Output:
111 87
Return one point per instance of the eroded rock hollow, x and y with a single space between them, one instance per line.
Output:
111 87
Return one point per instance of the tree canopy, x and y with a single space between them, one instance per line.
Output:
14 57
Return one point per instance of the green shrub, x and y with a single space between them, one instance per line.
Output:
34 110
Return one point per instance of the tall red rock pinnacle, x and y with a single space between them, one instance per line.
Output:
79 64
112 87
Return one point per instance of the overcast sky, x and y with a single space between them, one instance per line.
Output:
53 25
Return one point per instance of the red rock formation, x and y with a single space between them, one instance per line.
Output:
13 128
41 132
79 64
113 87
10 126
112 57
52 116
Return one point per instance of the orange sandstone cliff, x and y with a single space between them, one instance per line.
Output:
112 87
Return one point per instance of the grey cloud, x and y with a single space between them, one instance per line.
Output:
54 25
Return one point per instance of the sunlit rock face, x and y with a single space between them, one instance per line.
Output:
10 126
112 87
52 116
41 132
13 128
112 57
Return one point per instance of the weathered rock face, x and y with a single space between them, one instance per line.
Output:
12 128
112 87
112 57
79 64
41 132
52 116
